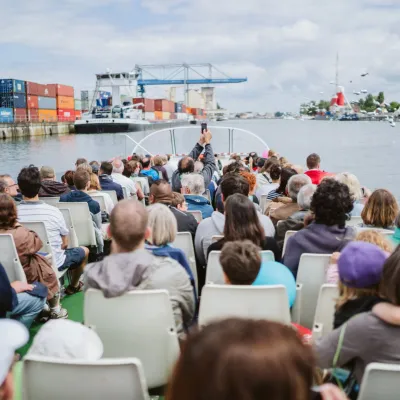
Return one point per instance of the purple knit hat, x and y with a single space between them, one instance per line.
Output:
361 264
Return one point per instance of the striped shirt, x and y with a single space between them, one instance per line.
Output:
273 194
33 211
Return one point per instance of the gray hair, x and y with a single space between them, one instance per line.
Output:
3 186
86 167
194 182
352 182
118 167
198 166
305 196
47 173
162 223
296 182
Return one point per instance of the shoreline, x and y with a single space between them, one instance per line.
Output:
32 129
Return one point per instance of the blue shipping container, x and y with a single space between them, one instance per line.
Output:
12 86
6 115
47 103
178 107
12 100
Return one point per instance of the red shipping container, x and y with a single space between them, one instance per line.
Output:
172 116
63 90
78 114
32 102
20 115
46 90
33 115
161 105
65 115
32 88
183 108
148 104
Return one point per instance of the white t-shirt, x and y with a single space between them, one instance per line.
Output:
265 189
126 183
32 211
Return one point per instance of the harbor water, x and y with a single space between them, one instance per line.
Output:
367 149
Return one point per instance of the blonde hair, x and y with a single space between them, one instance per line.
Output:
177 199
94 182
352 182
375 237
158 161
86 167
162 223
381 209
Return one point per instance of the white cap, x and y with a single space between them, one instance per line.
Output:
13 335
67 340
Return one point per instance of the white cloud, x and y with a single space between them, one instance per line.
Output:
287 49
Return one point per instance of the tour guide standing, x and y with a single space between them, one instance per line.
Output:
186 164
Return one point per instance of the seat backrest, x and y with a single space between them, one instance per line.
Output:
288 234
72 238
139 183
121 378
311 274
264 202
125 192
113 195
380 381
214 272
10 260
258 302
215 238
184 241
137 324
354 221
82 221
100 200
325 309
52 201
197 214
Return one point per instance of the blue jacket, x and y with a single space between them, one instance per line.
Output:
81 197
199 203
107 183
153 174
177 255
8 296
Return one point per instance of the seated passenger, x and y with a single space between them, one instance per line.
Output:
95 189
193 190
106 181
28 244
178 201
369 336
130 266
50 186
242 223
159 167
128 184
17 304
251 178
274 175
281 190
148 171
380 211
355 191
131 171
31 209
295 183
331 204
10 187
314 171
231 184
68 179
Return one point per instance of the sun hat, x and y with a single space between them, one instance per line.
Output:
67 340
361 264
13 335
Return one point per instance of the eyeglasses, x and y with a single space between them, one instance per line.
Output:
10 186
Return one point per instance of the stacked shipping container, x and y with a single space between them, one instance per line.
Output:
65 103
12 100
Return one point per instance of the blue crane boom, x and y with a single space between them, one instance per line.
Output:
156 82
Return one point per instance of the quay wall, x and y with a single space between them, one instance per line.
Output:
29 129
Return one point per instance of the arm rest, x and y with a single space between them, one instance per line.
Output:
296 309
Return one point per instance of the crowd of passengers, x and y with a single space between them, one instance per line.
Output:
135 251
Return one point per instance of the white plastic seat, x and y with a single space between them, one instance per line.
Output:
214 272
215 238
354 221
264 202
113 195
258 302
197 214
40 228
380 381
100 200
10 260
125 192
72 238
288 234
184 241
82 221
311 275
137 324
52 201
62 379
325 310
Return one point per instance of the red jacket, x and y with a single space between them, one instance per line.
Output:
316 175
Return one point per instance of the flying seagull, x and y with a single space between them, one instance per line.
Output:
364 75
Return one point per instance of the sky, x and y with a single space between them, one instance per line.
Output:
287 49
